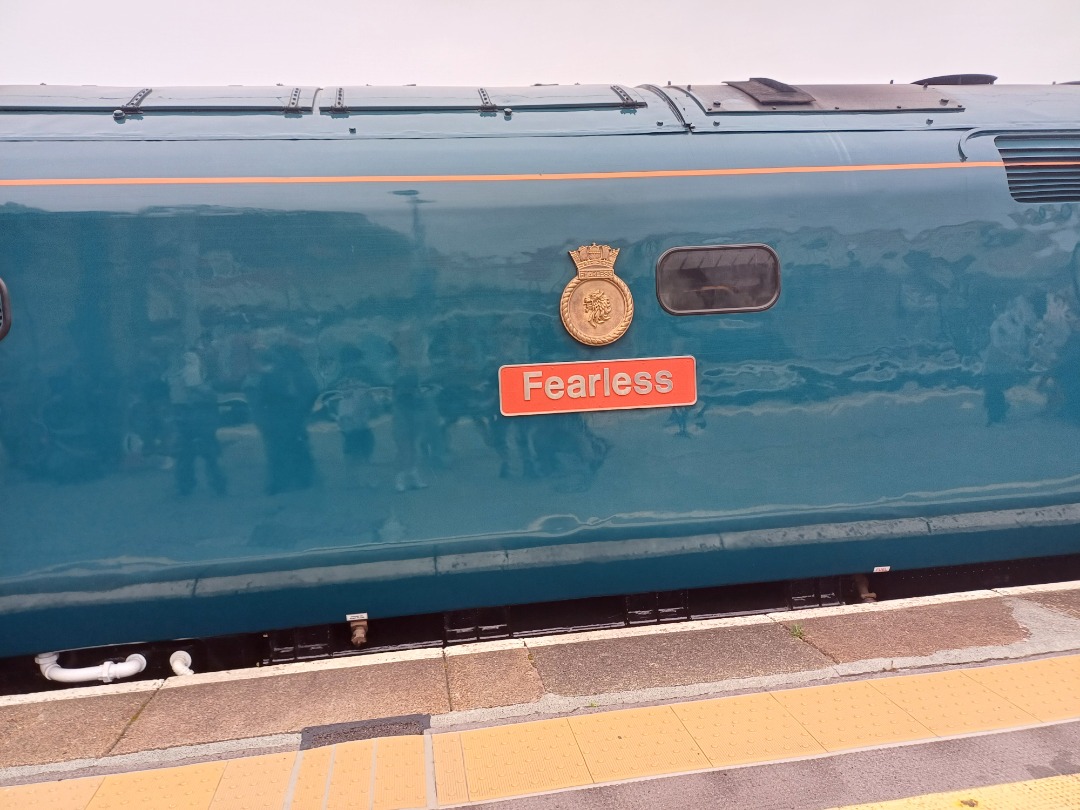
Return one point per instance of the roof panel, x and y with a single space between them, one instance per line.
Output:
89 98
225 99
575 96
65 98
479 99
733 98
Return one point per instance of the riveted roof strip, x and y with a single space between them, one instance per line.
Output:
667 100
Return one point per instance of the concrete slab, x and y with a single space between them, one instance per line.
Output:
256 707
673 659
487 680
62 730
1067 602
917 631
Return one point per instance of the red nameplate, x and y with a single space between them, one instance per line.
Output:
597 385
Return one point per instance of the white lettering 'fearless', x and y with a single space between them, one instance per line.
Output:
663 382
642 383
553 387
532 383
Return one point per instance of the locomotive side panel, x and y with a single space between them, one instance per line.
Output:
238 405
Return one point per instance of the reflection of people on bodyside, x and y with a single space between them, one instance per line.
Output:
561 446
415 421
358 398
509 435
283 395
195 421
150 413
465 391
72 435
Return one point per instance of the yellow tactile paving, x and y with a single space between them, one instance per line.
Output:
190 787
400 780
747 728
524 758
450 784
851 715
350 776
950 703
636 742
312 779
1048 689
254 783
1052 793
73 794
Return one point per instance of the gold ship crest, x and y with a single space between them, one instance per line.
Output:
596 306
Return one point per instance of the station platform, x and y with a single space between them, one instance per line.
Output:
967 700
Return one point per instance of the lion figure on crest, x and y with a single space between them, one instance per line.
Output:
597 307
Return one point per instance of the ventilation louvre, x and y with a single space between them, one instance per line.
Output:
1042 168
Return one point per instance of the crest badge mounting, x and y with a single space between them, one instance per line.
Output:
596 305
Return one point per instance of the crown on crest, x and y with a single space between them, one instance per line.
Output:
593 261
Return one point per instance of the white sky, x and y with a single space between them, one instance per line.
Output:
509 42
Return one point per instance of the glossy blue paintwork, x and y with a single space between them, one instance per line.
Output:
234 407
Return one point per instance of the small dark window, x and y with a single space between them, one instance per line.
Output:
724 278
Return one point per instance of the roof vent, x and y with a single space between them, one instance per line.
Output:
1042 168
958 78
770 91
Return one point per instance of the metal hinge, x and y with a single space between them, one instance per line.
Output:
485 101
132 107
294 101
339 102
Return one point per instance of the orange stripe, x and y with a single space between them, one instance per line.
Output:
498 178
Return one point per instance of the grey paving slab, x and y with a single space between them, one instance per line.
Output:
915 631
541 678
1067 602
61 730
487 680
673 659
256 707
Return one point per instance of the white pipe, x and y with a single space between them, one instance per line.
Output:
180 661
107 672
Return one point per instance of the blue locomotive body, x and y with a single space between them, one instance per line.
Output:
252 374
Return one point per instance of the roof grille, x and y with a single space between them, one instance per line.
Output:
770 91
1042 169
